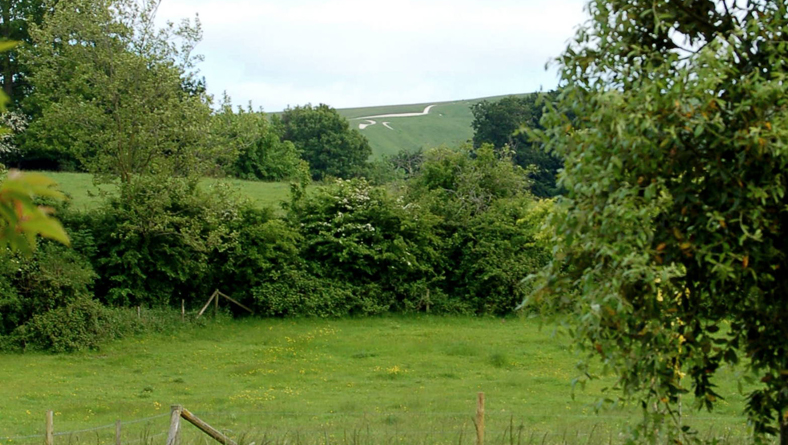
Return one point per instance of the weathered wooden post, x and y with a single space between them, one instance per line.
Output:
207 304
50 434
205 428
480 419
173 435
216 304
117 432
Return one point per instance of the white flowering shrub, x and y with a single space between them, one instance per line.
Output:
12 124
359 235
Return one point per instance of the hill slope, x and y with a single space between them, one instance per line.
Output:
445 123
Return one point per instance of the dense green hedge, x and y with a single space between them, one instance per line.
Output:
459 236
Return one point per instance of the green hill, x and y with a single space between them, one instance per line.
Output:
446 123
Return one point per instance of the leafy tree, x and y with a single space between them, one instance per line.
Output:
489 225
110 88
458 184
251 145
325 140
408 162
16 17
21 218
672 230
499 123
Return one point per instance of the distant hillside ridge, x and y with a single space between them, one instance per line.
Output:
420 125
391 128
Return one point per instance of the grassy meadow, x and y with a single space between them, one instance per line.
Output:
373 380
447 123
84 194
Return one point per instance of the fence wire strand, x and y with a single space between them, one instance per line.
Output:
86 430
455 427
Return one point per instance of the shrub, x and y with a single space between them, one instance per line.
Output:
74 327
11 304
87 324
295 292
362 236
489 224
158 238
55 276
457 184
499 248
265 247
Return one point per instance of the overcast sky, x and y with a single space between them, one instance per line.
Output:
350 53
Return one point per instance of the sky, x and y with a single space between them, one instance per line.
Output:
354 53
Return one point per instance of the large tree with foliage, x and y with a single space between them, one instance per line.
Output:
325 140
21 218
16 17
673 227
109 85
501 123
248 145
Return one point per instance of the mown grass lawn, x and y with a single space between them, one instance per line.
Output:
386 379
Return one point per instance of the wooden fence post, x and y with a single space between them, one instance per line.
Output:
216 304
232 300
208 303
207 429
173 435
117 432
480 419
183 310
50 437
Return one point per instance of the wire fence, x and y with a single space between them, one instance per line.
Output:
258 427
135 430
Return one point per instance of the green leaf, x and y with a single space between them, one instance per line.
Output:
7 45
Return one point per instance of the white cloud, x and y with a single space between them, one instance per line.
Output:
356 53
